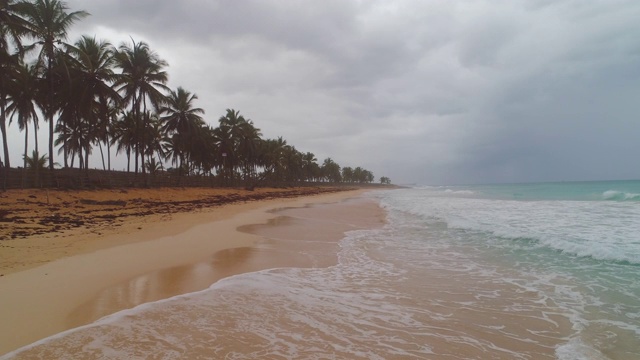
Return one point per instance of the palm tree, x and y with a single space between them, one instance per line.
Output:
308 165
224 151
92 63
202 149
48 23
22 97
124 134
153 166
142 76
105 131
12 28
238 139
347 174
248 143
331 170
180 116
36 164
154 137
271 158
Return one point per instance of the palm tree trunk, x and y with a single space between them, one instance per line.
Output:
108 153
144 128
3 128
64 147
26 146
102 155
35 136
50 105
136 110
86 161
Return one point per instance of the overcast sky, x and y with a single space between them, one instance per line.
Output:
425 91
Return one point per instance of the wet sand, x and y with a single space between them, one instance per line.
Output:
188 252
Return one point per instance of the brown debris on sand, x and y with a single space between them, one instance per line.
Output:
25 213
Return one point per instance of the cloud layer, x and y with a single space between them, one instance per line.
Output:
422 92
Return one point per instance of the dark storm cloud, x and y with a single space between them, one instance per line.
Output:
421 91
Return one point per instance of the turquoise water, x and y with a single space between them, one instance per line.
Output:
575 244
627 190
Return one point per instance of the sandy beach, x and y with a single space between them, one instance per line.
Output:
134 246
38 225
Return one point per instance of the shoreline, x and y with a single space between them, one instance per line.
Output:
57 296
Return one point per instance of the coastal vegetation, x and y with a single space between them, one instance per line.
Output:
95 96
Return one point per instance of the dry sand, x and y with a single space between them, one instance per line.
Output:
100 268
38 226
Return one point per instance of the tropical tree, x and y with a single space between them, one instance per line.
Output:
92 64
143 77
202 149
224 153
347 174
331 170
153 166
180 114
105 131
271 157
228 137
248 141
181 118
12 28
125 135
22 97
154 138
309 166
48 24
36 164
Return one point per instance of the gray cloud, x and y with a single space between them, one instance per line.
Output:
427 92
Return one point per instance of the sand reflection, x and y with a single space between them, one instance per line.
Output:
300 237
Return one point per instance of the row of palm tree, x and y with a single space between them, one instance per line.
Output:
96 96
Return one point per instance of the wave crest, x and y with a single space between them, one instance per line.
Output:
616 195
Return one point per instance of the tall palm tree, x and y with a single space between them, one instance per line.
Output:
105 131
143 77
183 119
49 21
124 134
249 138
12 28
272 158
240 142
154 137
92 62
22 98
224 151
308 162
202 149
331 170
180 114
347 174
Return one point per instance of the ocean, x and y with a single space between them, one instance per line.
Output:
515 271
